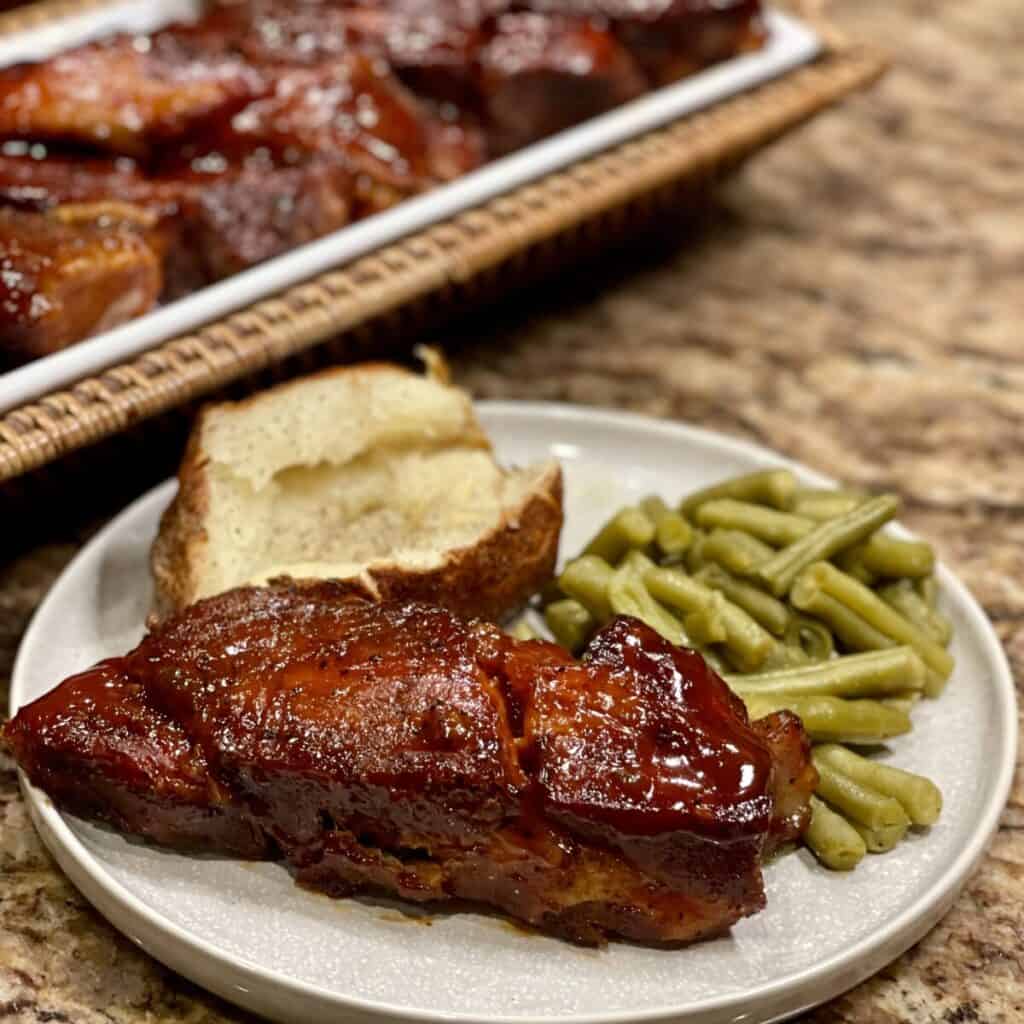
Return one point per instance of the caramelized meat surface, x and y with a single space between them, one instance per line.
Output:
268 123
64 278
540 75
125 95
395 748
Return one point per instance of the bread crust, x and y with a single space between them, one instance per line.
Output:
487 579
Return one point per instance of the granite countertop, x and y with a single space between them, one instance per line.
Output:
854 299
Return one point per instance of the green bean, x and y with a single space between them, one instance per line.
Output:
628 528
784 657
832 839
880 615
881 839
809 636
767 524
774 487
522 630
694 558
587 580
825 504
893 557
854 633
902 701
637 561
707 624
877 674
735 551
822 542
748 643
570 623
853 565
903 596
857 801
928 588
715 660
628 595
672 533
831 719
918 796
761 607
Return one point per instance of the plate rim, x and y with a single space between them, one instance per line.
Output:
826 980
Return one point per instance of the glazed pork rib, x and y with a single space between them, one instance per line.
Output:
397 749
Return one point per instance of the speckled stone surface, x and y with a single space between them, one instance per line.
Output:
856 301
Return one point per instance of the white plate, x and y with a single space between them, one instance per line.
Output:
245 931
790 43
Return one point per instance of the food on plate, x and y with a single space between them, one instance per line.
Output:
268 123
801 602
396 748
373 474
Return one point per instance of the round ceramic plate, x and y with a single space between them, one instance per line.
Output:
248 933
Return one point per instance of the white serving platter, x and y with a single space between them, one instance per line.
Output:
245 931
790 44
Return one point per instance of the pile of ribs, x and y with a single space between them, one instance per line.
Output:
136 169
396 749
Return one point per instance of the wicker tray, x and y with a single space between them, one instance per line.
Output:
405 287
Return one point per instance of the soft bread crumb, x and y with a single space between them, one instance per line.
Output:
369 472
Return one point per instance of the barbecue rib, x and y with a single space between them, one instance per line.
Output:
268 123
71 273
395 748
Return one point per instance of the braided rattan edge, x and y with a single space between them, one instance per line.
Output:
454 254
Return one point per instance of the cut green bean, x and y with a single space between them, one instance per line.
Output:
587 580
853 565
715 660
749 644
774 487
858 802
767 524
918 796
894 558
672 533
706 625
761 607
928 588
811 637
877 613
831 719
784 657
904 597
628 528
902 701
823 541
832 839
735 551
694 558
854 633
880 673
570 623
881 839
822 505
637 561
628 595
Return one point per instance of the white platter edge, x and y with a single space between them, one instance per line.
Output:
252 987
790 44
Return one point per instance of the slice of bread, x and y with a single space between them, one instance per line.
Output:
372 474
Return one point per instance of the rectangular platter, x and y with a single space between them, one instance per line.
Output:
791 43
